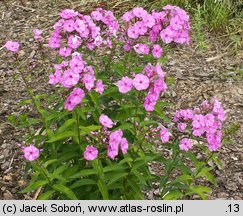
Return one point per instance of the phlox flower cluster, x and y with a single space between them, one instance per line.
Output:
75 29
112 140
72 73
70 32
205 121
169 25
152 78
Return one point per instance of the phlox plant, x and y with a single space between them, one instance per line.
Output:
105 126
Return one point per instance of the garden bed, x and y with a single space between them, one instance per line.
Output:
197 75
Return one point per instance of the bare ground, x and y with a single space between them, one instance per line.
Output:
196 79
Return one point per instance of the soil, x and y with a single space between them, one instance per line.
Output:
198 76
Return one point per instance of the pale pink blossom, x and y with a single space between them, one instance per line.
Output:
55 78
157 51
185 144
106 121
90 153
37 34
164 135
31 153
100 86
12 46
124 145
140 82
125 84
65 51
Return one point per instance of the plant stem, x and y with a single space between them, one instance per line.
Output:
168 174
209 157
78 131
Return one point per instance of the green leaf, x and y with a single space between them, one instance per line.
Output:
66 125
46 195
85 172
24 102
65 190
103 189
201 191
83 182
113 168
161 113
62 136
88 129
34 186
173 195
57 115
49 162
125 126
183 178
126 160
205 172
116 177
139 176
148 122
67 156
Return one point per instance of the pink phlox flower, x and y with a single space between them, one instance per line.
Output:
55 78
185 144
76 95
69 79
127 16
96 15
65 51
141 49
124 145
68 13
139 12
148 20
167 35
106 121
37 34
74 41
90 153
140 82
100 86
12 46
77 64
55 42
164 135
69 25
132 32
141 29
157 51
182 126
125 85
214 140
31 153
89 81
68 105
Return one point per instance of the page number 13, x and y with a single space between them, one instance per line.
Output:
233 208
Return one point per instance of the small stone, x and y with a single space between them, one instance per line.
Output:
7 178
240 91
21 183
5 165
3 188
4 146
7 196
